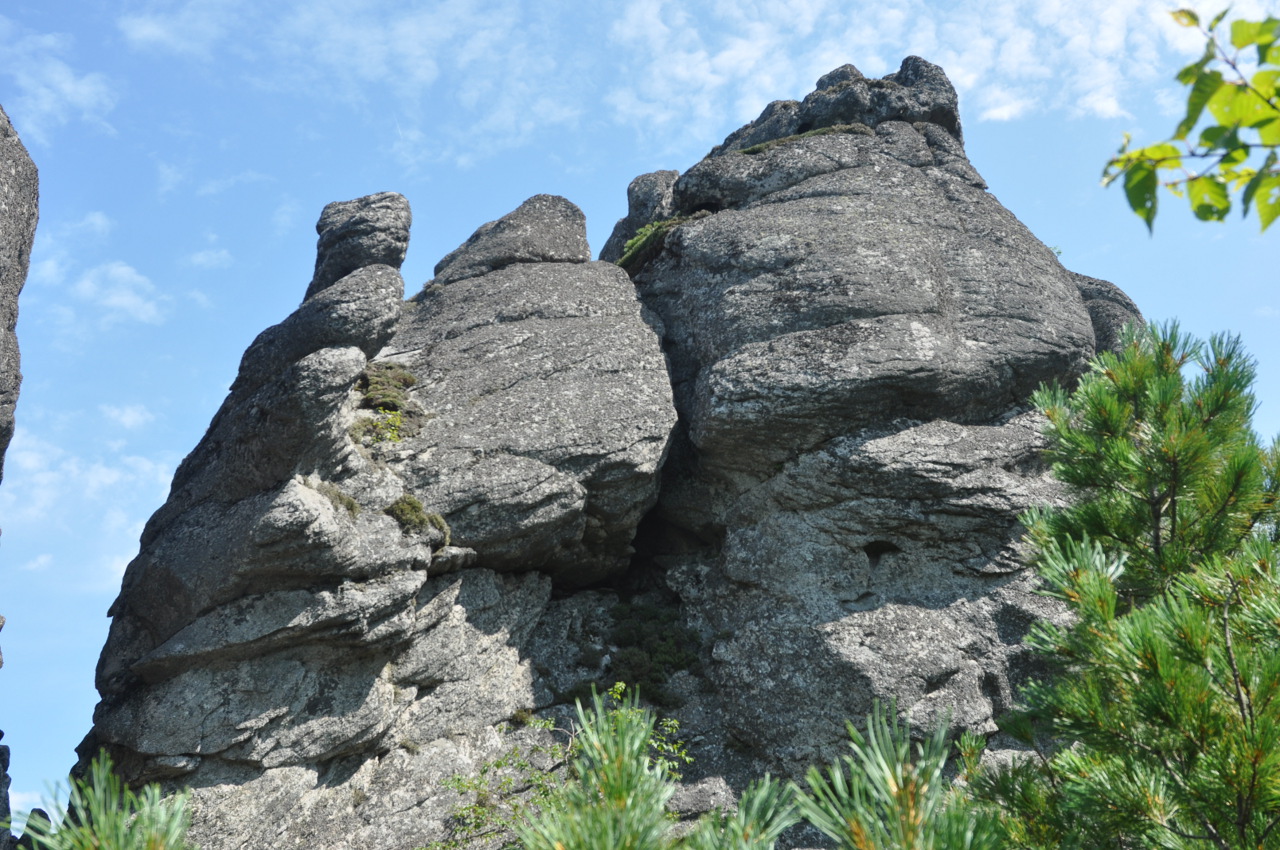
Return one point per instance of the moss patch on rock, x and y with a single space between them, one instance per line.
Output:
334 494
413 518
384 386
846 129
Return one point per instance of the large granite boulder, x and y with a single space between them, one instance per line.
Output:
772 472
854 325
19 196
298 633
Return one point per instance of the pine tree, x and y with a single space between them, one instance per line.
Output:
1161 727
1165 469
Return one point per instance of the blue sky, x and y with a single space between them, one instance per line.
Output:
186 148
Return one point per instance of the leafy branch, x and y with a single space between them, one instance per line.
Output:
1236 83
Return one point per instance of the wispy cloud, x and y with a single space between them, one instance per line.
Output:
285 215
44 481
50 92
1008 59
211 258
221 184
168 177
193 29
38 563
128 416
119 293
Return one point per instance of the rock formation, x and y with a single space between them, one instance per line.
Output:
19 194
771 472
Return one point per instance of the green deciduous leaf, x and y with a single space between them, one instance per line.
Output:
1267 199
1208 197
1140 184
1245 33
1206 84
1186 18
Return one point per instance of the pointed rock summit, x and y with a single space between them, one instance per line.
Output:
770 473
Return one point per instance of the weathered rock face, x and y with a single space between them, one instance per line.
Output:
283 644
792 449
19 193
853 332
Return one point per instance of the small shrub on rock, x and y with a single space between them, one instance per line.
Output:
105 814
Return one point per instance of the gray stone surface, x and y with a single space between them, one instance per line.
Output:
649 199
918 92
373 230
546 456
544 229
281 644
19 197
795 439
1109 310
19 194
853 332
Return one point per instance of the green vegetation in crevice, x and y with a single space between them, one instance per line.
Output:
334 494
384 426
647 242
385 385
846 129
652 645
413 518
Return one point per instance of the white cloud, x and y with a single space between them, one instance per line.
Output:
192 30
169 177
47 484
211 258
95 223
222 184
38 563
1266 311
285 215
119 293
49 91
22 802
1008 59
128 416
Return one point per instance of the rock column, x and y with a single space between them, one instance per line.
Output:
18 200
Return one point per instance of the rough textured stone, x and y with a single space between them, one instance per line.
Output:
546 457
368 231
1109 310
19 195
848 326
853 332
281 644
918 92
544 229
649 199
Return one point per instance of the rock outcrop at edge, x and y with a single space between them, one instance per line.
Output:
19 203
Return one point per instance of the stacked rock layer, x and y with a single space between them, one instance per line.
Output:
791 440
